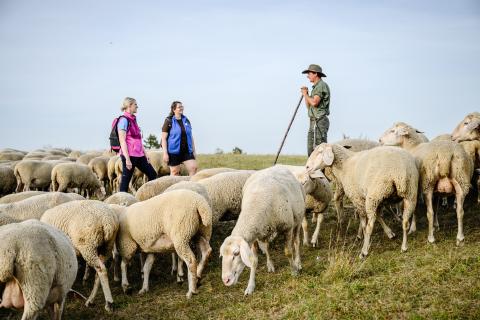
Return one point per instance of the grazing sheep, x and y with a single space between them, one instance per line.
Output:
34 174
34 207
273 203
444 168
121 198
38 266
20 196
318 196
92 226
225 193
156 160
207 173
112 176
8 182
76 175
99 166
85 158
370 179
165 223
157 186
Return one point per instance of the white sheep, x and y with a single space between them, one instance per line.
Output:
38 265
225 193
444 168
121 198
99 166
164 223
112 176
34 174
92 226
207 173
467 126
85 158
34 207
157 186
8 182
370 179
6 219
14 197
273 203
76 175
357 145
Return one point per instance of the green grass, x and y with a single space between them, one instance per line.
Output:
429 281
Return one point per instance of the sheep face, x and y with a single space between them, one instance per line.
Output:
321 158
395 135
465 122
236 254
468 130
308 180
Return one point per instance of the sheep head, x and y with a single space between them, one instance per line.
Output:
236 254
320 158
467 130
457 132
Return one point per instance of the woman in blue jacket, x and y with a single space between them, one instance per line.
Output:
177 141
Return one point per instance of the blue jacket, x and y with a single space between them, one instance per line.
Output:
175 134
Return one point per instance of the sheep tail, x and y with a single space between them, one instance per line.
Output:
54 180
444 165
204 212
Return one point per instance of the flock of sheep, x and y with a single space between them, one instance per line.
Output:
47 219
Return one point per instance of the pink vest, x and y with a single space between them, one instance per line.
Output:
134 137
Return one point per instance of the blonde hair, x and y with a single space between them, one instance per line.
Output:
127 102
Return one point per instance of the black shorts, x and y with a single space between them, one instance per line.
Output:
177 159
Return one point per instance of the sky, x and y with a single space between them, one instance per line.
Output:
66 66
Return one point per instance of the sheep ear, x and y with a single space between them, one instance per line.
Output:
473 125
418 131
316 174
328 156
402 131
347 147
246 253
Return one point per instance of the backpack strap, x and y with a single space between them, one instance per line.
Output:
128 123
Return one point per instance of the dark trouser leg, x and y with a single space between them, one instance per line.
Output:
126 174
142 164
317 133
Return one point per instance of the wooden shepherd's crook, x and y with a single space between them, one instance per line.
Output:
288 129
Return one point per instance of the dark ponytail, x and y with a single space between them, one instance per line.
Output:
172 108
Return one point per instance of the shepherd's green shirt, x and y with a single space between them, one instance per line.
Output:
322 90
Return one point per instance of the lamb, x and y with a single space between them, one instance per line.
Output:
157 186
273 202
8 182
38 265
92 226
318 196
99 166
444 168
225 193
207 173
34 174
34 207
370 178
76 175
163 223
20 196
121 198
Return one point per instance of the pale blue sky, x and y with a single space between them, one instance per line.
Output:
236 65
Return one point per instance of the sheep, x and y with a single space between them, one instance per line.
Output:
53 157
75 154
225 193
36 155
34 174
8 181
76 175
121 198
273 203
11 156
465 126
112 176
207 173
156 160
92 226
6 219
357 145
318 196
35 206
371 178
20 196
444 168
99 166
157 186
38 265
85 158
163 223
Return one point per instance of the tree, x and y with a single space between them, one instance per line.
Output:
218 151
237 150
151 142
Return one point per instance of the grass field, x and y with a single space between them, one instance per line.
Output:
429 281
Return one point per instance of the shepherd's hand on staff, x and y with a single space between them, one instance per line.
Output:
304 91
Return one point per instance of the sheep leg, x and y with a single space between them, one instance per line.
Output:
180 274
361 226
296 247
459 197
317 230
435 223
429 204
147 267
86 274
371 209
206 251
125 283
97 262
305 231
93 294
289 250
314 217
386 228
413 225
408 209
116 264
338 198
55 310
187 255
29 313
174 263
264 248
142 261
253 269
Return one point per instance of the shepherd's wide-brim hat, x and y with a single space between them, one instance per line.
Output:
315 68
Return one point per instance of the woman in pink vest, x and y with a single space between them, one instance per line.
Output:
132 151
